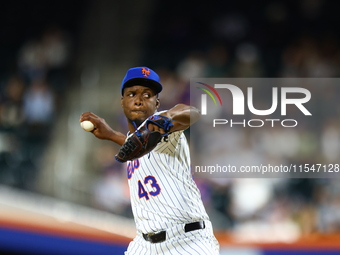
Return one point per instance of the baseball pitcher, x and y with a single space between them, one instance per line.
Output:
169 214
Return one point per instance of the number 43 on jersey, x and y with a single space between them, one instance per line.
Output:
148 181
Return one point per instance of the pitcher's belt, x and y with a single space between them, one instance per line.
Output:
161 236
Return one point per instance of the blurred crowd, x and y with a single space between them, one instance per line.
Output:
278 39
29 102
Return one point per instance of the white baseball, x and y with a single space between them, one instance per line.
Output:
87 125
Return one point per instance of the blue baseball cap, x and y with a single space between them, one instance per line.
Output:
142 76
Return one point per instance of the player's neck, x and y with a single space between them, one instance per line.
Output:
133 125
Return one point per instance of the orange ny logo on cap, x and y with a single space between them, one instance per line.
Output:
145 72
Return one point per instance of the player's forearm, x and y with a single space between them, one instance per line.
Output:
182 116
101 129
117 137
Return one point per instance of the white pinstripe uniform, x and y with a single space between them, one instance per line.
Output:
165 197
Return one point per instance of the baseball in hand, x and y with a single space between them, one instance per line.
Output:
87 125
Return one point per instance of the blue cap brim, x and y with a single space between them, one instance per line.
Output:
145 82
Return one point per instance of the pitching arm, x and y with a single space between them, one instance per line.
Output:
102 130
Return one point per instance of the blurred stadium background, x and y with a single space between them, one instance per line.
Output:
61 192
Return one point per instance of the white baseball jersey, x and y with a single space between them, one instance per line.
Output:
164 196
